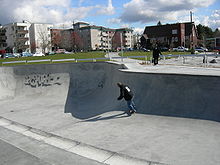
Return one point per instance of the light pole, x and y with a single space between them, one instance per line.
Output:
108 44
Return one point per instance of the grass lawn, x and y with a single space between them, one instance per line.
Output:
83 55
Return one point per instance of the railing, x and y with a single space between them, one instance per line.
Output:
205 58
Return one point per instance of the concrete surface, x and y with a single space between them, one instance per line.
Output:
17 149
177 120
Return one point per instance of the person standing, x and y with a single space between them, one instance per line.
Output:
156 54
127 94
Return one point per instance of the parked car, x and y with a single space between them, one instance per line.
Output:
60 51
26 54
201 49
66 52
8 55
38 54
217 49
51 53
146 50
180 49
17 54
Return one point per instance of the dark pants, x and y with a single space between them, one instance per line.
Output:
155 60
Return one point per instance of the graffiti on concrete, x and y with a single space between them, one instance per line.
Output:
101 84
42 80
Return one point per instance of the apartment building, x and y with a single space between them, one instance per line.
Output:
90 37
170 35
25 37
17 37
123 37
40 37
3 43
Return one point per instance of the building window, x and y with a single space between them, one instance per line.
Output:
174 31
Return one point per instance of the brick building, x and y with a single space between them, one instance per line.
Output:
170 35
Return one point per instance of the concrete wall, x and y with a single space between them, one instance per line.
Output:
89 89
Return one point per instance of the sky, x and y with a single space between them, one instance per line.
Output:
135 14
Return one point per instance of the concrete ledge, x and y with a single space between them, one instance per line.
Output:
88 151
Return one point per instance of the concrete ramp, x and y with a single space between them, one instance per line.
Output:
88 89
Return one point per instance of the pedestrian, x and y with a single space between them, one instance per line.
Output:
156 54
127 94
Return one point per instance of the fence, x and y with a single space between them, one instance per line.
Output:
205 58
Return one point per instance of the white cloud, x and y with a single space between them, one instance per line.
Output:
146 11
138 30
114 21
106 10
45 11
212 21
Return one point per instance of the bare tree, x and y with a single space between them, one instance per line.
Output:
77 41
56 40
44 38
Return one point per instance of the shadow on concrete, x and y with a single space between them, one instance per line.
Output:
93 91
116 116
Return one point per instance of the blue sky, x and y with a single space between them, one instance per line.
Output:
111 13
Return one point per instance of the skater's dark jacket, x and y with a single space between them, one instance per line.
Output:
125 92
156 52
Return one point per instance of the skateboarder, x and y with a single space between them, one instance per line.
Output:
156 54
126 93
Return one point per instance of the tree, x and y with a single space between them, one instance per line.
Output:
44 38
77 41
159 23
56 40
217 33
204 32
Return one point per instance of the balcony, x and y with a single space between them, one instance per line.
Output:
3 38
22 31
22 39
2 31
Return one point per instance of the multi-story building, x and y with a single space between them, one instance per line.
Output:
3 43
17 36
40 37
170 35
90 37
123 38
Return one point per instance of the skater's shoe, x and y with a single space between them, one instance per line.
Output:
132 111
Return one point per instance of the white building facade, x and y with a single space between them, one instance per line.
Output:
40 37
17 37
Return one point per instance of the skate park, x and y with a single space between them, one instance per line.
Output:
74 107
